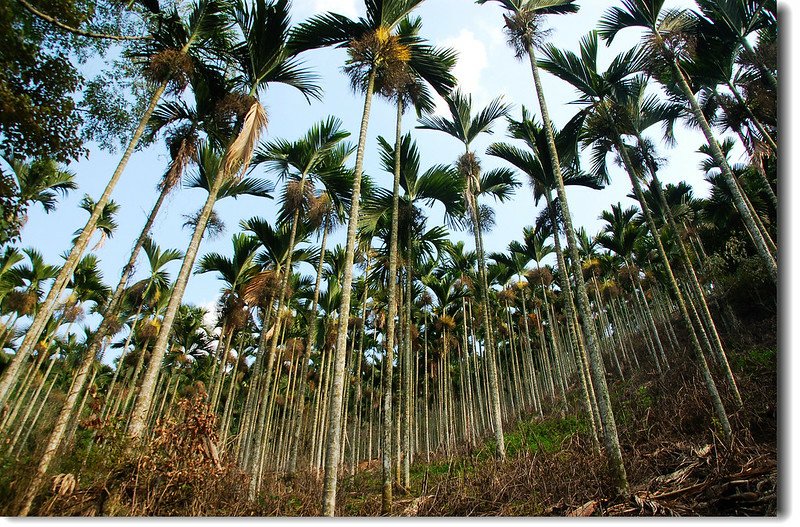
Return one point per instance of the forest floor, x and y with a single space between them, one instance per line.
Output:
677 463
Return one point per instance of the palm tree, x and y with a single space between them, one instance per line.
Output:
207 176
465 127
262 58
184 42
535 162
524 29
373 50
276 249
662 45
615 104
183 124
739 19
328 208
620 235
425 65
40 181
437 184
304 159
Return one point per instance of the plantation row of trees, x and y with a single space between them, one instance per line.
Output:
403 344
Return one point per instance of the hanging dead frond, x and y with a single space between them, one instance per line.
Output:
182 144
238 156
63 484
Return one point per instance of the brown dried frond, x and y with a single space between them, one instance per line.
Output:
171 66
238 156
261 286
182 146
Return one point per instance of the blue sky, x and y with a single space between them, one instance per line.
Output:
486 69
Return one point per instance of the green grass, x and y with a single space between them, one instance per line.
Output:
544 435
757 357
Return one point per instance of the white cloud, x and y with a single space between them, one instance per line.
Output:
210 318
472 60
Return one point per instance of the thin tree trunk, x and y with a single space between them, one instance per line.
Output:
611 439
335 426
312 333
392 299
147 390
496 412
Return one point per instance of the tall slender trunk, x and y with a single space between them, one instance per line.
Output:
589 398
716 401
496 412
387 378
141 407
693 280
408 384
610 437
312 333
335 427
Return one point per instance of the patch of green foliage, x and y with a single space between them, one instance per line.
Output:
643 397
545 435
758 357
